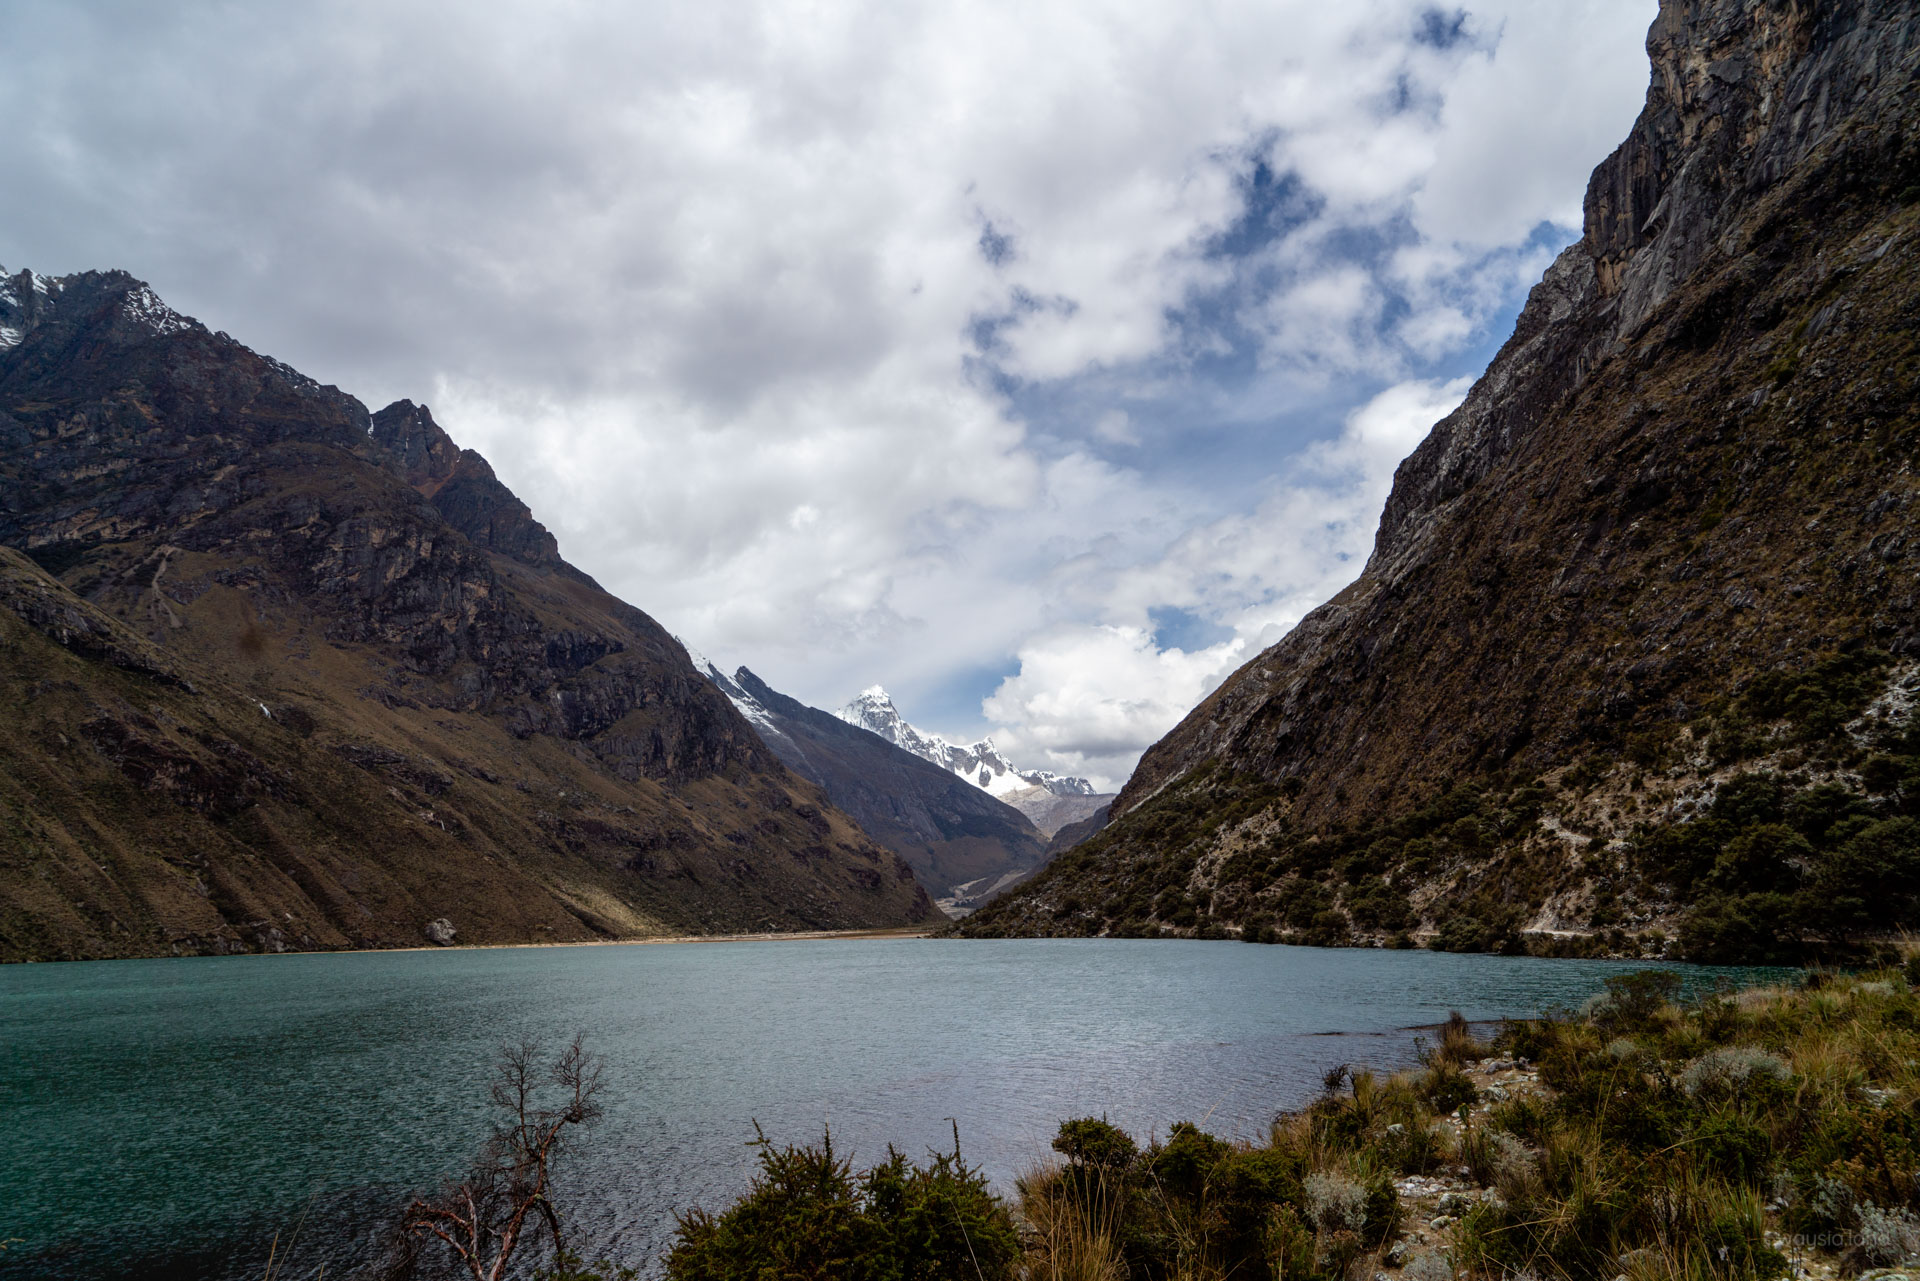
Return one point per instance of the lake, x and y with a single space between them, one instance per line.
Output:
166 1118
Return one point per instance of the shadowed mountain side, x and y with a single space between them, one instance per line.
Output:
948 830
1667 537
1074 833
282 677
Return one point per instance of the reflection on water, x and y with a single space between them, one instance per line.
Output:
167 1117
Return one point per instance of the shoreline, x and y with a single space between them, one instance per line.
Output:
790 936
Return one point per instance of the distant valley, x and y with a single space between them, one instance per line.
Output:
968 822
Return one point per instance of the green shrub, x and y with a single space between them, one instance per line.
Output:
1498 930
1870 882
1095 1142
1376 905
1192 1205
1745 929
1765 858
1820 699
1731 1146
808 1217
1446 1088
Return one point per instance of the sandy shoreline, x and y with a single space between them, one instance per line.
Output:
793 936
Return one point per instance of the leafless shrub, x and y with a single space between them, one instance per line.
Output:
504 1201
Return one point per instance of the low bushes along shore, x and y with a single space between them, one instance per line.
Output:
1764 1133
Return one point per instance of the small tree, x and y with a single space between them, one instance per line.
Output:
487 1216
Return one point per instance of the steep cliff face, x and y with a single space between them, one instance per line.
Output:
1689 468
347 628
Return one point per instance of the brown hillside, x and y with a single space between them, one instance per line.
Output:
283 674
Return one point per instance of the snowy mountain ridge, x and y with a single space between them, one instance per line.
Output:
746 704
980 764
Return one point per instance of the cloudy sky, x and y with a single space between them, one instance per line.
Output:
1041 360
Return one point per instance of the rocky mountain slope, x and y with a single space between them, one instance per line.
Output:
279 673
1634 652
951 832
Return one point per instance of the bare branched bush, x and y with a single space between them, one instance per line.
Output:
504 1201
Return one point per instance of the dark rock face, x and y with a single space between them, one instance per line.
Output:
194 446
463 489
949 831
1686 467
209 523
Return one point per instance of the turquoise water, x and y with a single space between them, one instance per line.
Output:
165 1118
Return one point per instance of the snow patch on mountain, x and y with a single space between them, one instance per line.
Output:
748 706
144 306
980 763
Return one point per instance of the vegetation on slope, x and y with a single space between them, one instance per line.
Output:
1780 825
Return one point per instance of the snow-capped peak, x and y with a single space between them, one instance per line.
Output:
980 764
701 663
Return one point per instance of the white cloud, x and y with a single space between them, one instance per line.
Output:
1116 428
706 283
1088 698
